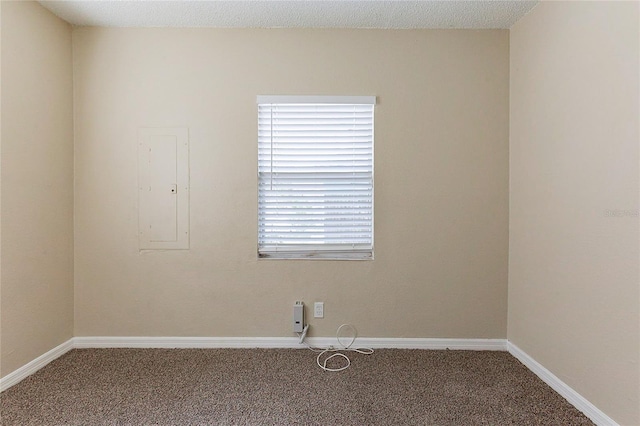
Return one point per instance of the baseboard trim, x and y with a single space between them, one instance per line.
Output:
101 342
286 342
434 344
577 400
35 365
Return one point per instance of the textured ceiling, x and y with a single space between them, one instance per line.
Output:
292 14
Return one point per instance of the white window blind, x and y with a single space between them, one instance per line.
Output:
315 172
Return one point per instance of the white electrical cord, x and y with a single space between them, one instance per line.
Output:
337 352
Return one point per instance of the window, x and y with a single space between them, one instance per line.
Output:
315 177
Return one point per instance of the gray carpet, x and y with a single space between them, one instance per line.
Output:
283 387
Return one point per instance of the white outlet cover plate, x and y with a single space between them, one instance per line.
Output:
318 310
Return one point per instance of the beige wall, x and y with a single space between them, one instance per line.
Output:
37 183
573 270
441 171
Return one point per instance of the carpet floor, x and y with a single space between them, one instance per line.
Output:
283 387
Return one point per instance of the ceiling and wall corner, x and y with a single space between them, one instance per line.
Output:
293 14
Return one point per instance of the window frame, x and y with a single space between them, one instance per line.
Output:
331 252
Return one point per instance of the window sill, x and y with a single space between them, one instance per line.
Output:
316 255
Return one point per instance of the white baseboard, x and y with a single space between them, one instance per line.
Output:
437 344
184 342
577 400
286 342
28 369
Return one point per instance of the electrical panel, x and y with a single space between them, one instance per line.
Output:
163 188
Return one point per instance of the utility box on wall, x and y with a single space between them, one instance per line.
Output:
163 188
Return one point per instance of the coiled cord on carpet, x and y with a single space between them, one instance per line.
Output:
336 352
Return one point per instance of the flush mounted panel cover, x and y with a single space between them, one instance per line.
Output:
163 188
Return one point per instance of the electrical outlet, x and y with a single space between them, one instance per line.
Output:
318 310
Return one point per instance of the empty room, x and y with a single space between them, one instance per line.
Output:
320 212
